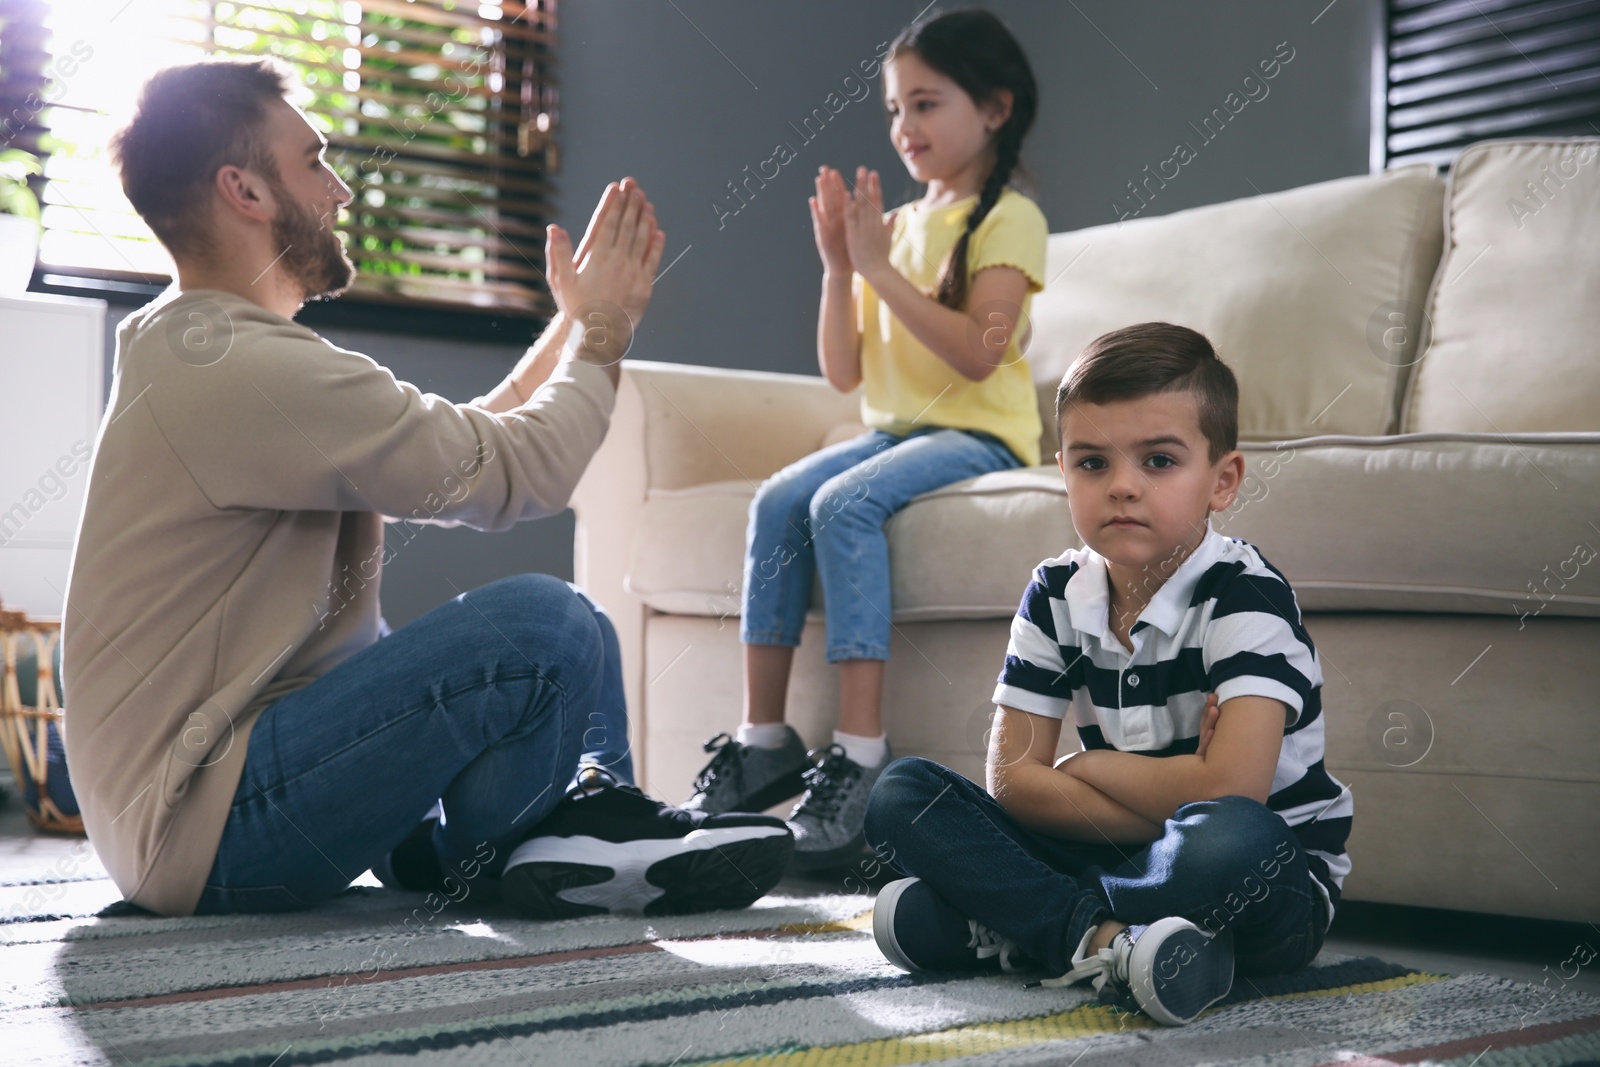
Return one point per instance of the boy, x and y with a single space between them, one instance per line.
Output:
1197 830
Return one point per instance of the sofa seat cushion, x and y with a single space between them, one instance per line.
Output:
955 553
1469 523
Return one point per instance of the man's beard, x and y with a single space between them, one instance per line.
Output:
313 257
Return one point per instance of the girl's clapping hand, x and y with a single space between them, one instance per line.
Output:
828 208
867 232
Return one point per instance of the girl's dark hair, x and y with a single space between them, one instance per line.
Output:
976 51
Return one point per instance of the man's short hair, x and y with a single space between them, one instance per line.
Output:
1156 357
190 121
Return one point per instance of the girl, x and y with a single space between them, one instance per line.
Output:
924 308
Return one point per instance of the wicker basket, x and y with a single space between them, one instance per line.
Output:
28 733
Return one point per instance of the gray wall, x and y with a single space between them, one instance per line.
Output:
685 95
685 101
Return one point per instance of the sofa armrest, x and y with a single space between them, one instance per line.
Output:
703 424
676 426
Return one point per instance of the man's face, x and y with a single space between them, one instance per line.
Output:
308 196
1139 480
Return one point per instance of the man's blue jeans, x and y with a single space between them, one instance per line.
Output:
486 703
826 513
1224 864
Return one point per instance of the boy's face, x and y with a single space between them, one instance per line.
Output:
1140 482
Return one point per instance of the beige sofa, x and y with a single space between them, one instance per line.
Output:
1420 378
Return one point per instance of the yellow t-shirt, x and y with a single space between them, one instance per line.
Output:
906 386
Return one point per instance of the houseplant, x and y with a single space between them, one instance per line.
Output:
19 219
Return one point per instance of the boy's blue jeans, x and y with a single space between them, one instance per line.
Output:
1229 863
826 513
487 702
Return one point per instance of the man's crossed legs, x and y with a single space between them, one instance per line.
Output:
486 705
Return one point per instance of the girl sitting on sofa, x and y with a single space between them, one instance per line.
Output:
926 307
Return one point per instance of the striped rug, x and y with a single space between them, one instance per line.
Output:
379 977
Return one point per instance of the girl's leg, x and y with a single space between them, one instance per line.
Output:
779 565
483 701
847 516
861 696
766 682
765 763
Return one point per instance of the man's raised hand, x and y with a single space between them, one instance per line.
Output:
604 285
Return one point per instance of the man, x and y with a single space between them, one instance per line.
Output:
240 738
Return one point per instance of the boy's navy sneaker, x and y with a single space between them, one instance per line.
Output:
918 930
749 777
609 848
830 821
1171 968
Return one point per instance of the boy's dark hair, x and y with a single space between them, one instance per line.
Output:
191 120
1157 357
976 51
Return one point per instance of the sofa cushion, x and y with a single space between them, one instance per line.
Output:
689 553
1294 289
1418 522
1428 522
1515 309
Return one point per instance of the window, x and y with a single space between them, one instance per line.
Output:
1458 71
440 114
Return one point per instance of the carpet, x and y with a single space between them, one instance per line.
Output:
381 977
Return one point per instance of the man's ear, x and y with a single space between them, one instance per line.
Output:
1230 475
244 191
1061 464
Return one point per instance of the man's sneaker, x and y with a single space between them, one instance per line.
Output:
413 864
829 823
749 777
917 930
609 848
1172 968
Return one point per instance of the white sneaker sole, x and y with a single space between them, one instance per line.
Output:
563 877
883 923
1177 971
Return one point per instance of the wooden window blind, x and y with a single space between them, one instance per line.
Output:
1459 71
441 115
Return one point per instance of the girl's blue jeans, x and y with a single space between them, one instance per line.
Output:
1225 864
825 515
487 704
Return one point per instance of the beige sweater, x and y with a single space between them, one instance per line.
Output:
232 543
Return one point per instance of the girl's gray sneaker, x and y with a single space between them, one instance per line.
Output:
749 777
829 823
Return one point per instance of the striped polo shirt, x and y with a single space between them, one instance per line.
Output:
1227 622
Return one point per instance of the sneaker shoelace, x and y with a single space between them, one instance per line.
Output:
826 781
986 943
1110 964
723 767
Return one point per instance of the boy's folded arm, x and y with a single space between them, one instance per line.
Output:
1021 777
1240 761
